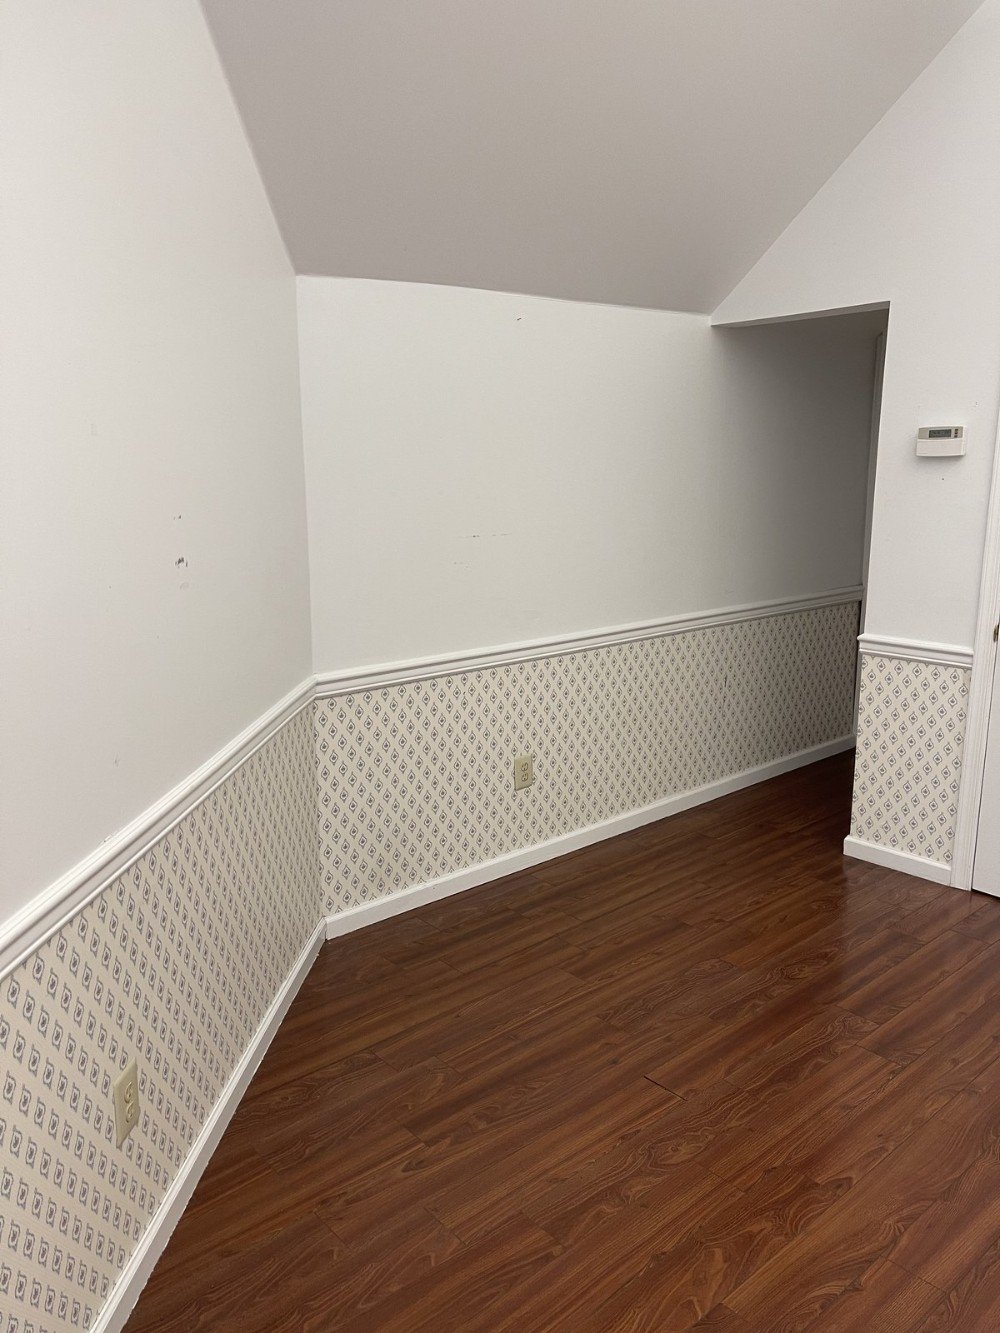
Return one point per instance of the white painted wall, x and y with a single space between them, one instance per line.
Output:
152 536
485 468
912 217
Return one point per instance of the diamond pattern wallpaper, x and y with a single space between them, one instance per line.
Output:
177 961
909 760
175 965
415 779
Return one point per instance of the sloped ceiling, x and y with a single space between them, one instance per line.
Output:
641 152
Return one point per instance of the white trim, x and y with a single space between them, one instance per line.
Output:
874 428
49 911
796 316
30 927
332 683
970 791
153 1241
892 859
366 914
915 650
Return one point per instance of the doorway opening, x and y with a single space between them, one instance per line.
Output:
842 357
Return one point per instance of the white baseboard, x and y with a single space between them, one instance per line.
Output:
136 1272
936 871
366 914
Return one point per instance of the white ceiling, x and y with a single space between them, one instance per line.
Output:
644 152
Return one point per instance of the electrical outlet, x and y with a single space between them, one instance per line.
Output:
126 1095
524 771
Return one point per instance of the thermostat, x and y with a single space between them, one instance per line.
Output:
940 441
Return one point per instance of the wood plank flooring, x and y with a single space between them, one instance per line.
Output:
708 1075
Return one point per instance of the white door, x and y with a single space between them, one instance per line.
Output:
986 873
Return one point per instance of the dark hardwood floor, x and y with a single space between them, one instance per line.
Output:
707 1075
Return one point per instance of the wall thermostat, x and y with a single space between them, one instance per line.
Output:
940 441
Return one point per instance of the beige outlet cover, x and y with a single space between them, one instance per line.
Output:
126 1095
524 771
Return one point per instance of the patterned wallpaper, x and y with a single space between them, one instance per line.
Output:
174 964
415 779
909 760
177 961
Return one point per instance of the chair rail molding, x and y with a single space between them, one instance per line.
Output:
915 650
358 679
49 911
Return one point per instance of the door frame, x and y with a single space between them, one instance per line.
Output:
873 434
984 650
866 553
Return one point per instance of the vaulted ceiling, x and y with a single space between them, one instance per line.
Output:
643 152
